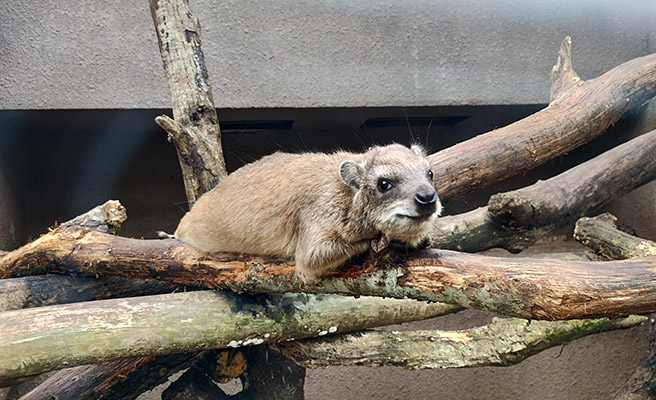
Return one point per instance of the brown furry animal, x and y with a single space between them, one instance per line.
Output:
321 209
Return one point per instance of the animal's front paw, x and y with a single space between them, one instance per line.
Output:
379 245
425 243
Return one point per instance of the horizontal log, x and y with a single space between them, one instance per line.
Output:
521 287
37 291
503 342
41 339
514 220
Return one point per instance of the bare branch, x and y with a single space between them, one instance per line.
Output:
121 379
39 339
505 341
601 234
529 288
195 131
514 220
576 117
38 291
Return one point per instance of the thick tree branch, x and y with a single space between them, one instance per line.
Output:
514 220
39 339
195 131
601 234
529 288
505 341
38 291
580 114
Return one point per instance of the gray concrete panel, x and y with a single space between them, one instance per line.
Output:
300 53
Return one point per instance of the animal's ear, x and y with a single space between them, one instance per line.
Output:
351 174
418 150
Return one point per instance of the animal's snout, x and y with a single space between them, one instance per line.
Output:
426 197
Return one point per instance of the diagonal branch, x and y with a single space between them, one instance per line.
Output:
515 219
580 114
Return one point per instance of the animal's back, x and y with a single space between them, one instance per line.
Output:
257 208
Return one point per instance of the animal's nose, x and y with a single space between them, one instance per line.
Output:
426 197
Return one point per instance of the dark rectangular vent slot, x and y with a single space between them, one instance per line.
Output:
249 126
402 121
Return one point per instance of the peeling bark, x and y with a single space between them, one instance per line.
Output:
515 220
504 342
522 287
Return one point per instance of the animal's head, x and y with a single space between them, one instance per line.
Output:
395 183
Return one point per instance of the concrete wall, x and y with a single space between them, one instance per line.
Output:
300 53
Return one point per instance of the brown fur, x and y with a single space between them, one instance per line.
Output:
320 209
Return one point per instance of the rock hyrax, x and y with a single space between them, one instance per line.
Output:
320 209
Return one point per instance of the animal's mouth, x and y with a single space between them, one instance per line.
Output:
413 217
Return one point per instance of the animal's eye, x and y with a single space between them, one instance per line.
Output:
430 174
384 185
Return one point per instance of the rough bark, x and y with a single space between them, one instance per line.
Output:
522 287
269 375
601 234
195 131
39 339
578 115
194 385
276 377
192 153
37 291
505 341
121 379
213 367
514 220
